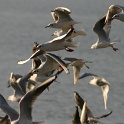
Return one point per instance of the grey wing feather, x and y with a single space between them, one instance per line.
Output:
35 63
38 122
113 9
23 81
37 53
28 100
70 59
16 76
63 16
63 9
80 102
86 75
107 28
76 117
58 60
104 116
63 37
42 58
76 70
98 29
4 106
55 17
18 89
69 33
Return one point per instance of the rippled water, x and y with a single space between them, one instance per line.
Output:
22 22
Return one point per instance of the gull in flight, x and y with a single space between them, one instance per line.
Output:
20 86
36 64
77 64
15 77
80 102
60 43
74 34
115 12
101 82
51 60
62 19
50 63
26 104
18 92
86 114
84 118
40 78
102 30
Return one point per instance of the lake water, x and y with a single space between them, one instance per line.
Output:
22 22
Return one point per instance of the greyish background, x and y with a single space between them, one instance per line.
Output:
22 22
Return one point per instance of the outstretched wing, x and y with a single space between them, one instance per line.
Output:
76 117
59 61
28 100
4 106
86 75
63 13
99 30
55 17
37 53
113 9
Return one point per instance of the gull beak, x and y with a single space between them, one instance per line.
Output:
46 26
52 34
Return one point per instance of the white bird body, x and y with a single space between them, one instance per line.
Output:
61 18
77 64
102 30
26 104
59 43
101 82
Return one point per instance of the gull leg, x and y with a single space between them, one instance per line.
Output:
87 66
115 49
68 49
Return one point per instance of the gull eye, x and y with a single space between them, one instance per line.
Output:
36 71
39 46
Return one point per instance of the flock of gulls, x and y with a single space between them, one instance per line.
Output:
46 67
